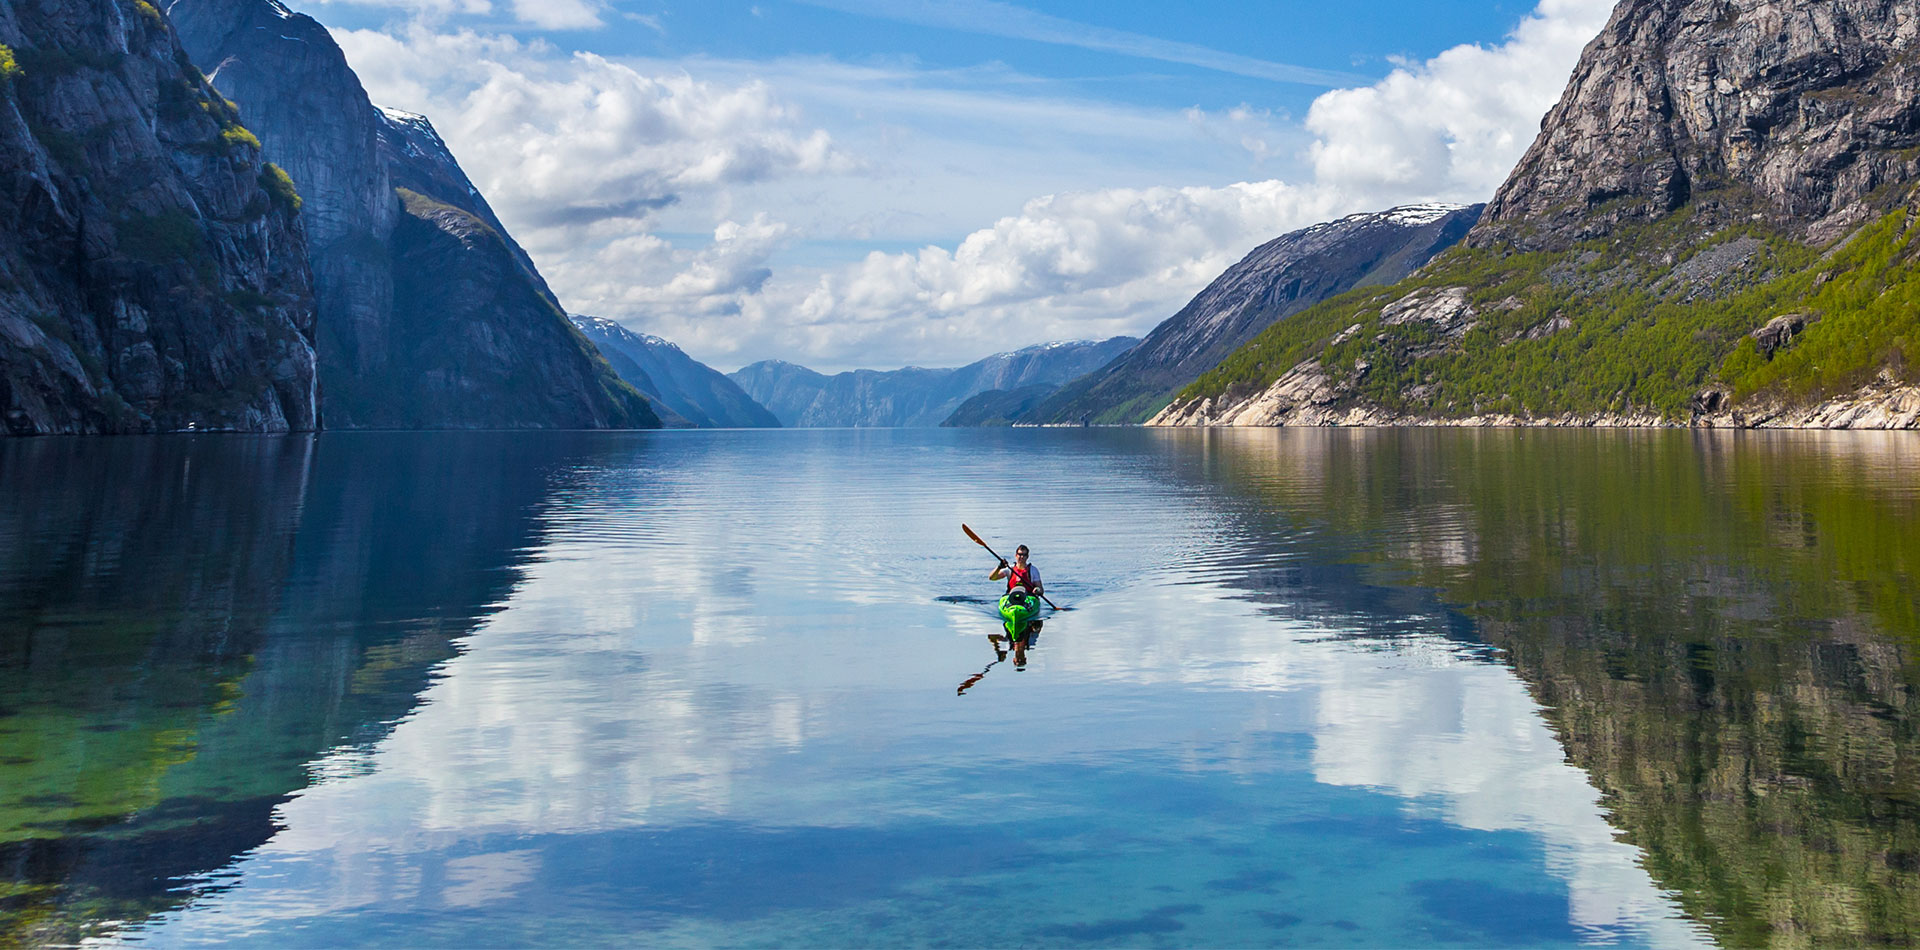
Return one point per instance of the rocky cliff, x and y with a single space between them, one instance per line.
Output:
429 314
1278 279
1714 227
153 272
1798 112
914 396
684 390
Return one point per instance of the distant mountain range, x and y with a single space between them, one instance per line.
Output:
914 396
685 391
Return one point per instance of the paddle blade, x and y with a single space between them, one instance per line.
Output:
970 534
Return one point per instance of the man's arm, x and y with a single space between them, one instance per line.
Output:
1033 579
998 572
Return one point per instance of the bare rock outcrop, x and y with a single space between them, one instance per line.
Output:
1792 110
1778 333
1305 396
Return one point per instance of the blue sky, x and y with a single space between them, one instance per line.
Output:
884 182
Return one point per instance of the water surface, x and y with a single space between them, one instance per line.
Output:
1351 688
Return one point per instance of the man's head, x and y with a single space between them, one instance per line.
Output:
1020 553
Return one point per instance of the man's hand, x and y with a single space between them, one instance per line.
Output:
1003 564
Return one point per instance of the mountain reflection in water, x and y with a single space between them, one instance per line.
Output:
186 624
1721 628
695 688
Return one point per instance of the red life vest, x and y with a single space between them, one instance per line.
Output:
1017 576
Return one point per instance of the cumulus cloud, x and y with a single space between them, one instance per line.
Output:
1455 125
580 139
643 273
1068 266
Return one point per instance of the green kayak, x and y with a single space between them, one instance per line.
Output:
1019 610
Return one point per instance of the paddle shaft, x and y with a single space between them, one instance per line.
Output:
996 556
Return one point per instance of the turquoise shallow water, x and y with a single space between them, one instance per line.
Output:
703 688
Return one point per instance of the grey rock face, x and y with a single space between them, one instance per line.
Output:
1795 110
286 73
696 393
150 280
914 396
1778 333
476 342
1280 278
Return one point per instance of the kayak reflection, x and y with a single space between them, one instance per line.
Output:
1020 631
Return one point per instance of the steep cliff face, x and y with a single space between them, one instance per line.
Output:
478 341
914 396
1280 278
697 394
153 273
1716 226
1794 111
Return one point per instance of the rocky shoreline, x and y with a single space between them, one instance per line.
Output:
1306 397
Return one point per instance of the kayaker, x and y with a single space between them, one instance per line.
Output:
1019 573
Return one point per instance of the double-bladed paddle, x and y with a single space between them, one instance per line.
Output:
997 557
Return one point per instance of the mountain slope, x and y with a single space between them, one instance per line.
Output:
691 390
1278 279
430 315
152 270
913 396
998 407
1715 227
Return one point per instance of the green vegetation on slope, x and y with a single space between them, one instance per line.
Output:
1643 320
279 186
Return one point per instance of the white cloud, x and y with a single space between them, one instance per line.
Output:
560 14
576 140
642 273
1076 265
1453 126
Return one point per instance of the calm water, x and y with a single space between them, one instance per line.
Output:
1340 688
